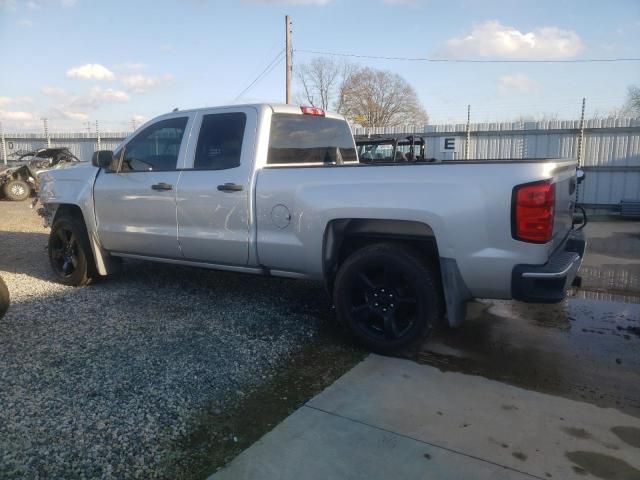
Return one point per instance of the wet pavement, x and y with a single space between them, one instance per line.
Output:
585 348
516 393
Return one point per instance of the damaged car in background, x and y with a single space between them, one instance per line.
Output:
20 179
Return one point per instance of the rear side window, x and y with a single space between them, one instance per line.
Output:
220 141
309 139
155 148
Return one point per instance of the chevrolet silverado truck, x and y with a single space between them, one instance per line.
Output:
278 190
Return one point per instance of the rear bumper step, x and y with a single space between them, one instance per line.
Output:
548 283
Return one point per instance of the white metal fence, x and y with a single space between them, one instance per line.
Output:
610 156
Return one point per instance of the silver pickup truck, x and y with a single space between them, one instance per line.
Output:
279 190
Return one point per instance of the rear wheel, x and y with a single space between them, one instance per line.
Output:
387 296
16 190
69 251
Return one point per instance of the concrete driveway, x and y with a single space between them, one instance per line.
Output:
520 391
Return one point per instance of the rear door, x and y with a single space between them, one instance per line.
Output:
136 204
214 191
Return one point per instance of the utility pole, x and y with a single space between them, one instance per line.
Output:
133 124
4 145
581 144
467 143
98 135
581 137
45 122
289 54
88 129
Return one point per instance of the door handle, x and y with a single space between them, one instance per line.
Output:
230 187
161 186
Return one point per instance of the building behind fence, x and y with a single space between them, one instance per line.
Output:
610 148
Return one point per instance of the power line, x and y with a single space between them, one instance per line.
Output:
466 60
278 58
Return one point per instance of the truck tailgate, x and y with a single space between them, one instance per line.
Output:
565 195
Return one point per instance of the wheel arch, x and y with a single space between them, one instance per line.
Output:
342 237
100 257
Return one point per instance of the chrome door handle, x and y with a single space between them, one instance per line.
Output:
230 187
162 186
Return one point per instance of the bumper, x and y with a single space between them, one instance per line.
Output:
548 283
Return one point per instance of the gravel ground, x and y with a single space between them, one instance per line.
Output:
105 381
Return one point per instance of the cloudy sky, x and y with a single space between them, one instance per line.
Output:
78 61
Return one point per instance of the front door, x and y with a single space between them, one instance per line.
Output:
136 204
214 190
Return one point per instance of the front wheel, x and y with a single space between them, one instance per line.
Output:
69 252
387 296
4 298
17 190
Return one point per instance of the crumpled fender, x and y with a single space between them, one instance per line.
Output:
72 184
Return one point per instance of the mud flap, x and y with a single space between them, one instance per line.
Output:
456 293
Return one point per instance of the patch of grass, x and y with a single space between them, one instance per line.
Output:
221 435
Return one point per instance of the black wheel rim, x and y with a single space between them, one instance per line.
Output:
64 252
382 302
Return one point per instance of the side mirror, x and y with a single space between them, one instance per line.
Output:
580 175
102 159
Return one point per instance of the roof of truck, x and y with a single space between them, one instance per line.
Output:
276 107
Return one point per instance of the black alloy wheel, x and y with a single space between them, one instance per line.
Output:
69 252
387 296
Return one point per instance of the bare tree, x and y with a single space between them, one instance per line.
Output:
633 100
320 80
379 98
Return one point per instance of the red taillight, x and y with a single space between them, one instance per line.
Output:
533 206
316 112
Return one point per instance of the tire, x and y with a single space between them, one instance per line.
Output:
4 298
16 190
387 297
69 251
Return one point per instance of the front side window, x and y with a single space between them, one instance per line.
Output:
220 141
156 148
310 139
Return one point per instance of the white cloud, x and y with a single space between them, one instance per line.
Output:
51 91
25 23
492 39
15 100
131 66
96 97
289 2
78 116
142 83
91 71
110 95
517 82
15 116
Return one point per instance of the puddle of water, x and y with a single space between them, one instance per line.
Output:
629 435
581 349
621 279
577 432
603 466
